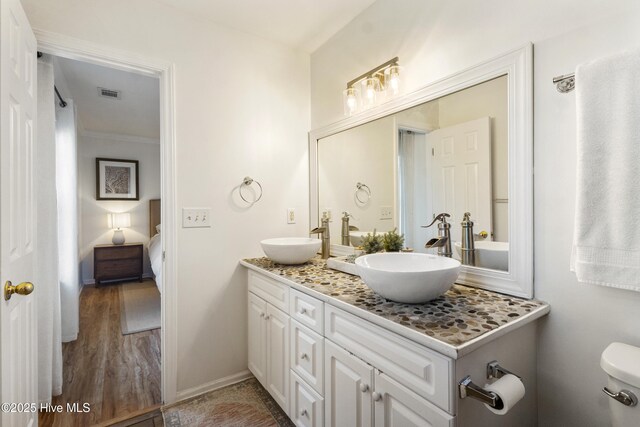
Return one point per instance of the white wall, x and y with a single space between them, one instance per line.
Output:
93 213
363 154
242 108
434 39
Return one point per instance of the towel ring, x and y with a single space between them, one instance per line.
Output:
360 187
246 182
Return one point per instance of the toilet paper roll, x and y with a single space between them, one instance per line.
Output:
510 389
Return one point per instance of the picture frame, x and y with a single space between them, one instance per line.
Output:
117 179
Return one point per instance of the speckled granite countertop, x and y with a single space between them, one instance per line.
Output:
453 324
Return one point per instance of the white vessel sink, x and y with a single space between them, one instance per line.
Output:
492 255
356 237
291 250
408 277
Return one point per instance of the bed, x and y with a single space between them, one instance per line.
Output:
155 243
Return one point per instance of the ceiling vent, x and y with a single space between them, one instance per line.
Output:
109 93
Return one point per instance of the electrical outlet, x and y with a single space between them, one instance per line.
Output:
196 217
291 216
386 212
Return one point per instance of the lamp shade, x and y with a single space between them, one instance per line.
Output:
119 220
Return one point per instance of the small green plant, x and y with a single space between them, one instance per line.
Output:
372 243
392 241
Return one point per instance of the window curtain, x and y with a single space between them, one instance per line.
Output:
67 192
47 282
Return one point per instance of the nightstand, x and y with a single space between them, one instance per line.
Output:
117 262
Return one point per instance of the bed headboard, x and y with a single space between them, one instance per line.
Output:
154 216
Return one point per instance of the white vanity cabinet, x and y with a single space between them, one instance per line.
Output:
328 365
269 336
357 394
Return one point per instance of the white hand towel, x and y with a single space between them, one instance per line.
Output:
606 243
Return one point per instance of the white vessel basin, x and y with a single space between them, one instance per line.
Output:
291 250
408 277
492 255
356 237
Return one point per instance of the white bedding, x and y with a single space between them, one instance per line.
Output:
155 256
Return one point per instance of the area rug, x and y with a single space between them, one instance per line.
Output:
245 404
139 307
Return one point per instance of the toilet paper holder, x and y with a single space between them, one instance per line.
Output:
466 387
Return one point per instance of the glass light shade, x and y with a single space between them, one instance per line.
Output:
392 80
351 100
119 220
370 89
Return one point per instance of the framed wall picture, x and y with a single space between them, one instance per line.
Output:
117 179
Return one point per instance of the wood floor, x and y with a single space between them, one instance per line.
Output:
116 374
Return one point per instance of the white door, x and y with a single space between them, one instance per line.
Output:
461 173
348 387
258 338
18 353
397 406
278 356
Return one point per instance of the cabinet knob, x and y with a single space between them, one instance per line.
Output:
304 413
376 396
303 311
261 314
304 356
267 317
364 388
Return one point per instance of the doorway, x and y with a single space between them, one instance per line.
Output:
165 255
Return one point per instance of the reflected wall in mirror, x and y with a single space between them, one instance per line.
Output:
446 155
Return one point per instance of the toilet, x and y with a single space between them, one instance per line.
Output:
622 363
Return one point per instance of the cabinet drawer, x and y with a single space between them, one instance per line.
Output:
307 355
269 290
118 268
423 371
307 310
118 252
306 407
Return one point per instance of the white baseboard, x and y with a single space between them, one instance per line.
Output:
213 385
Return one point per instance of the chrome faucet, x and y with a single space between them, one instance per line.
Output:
467 245
326 237
443 241
346 228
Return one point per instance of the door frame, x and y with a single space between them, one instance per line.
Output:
81 50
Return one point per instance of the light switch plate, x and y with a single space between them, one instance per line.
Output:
196 217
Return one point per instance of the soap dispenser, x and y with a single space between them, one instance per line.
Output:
467 244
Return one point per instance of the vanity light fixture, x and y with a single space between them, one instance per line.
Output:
376 85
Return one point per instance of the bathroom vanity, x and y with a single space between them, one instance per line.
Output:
332 352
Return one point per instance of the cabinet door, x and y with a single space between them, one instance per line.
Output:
397 406
258 338
348 384
278 356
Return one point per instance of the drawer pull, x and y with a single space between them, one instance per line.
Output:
364 388
377 397
303 311
304 356
304 413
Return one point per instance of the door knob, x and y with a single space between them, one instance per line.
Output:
24 288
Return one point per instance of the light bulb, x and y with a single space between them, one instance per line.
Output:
351 102
371 92
392 77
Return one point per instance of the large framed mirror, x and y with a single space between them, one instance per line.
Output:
461 144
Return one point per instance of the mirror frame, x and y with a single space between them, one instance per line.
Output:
518 66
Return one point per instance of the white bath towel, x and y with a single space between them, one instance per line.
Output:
606 243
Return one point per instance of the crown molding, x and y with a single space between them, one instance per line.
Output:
118 137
